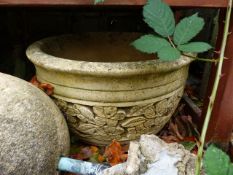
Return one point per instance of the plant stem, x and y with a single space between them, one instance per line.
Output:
202 59
214 91
171 42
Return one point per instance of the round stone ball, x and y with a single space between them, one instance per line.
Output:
33 132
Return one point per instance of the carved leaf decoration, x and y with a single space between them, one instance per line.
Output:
110 111
86 112
131 122
109 129
82 118
150 112
161 107
149 123
105 112
137 110
100 121
71 111
100 132
111 122
99 111
119 130
87 128
120 115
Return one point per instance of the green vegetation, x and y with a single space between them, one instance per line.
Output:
216 162
170 39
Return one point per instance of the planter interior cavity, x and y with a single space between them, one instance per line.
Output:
106 88
97 47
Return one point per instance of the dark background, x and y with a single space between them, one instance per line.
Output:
22 26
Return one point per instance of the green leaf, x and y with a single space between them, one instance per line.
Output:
189 145
159 16
168 53
98 1
230 171
195 47
150 43
216 162
188 28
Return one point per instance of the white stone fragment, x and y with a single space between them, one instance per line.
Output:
152 156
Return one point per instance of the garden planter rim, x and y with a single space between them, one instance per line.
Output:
40 58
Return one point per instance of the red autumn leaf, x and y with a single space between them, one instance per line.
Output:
34 81
47 88
114 153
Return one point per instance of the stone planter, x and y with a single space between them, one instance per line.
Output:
106 88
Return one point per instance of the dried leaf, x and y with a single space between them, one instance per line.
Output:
47 88
174 128
101 158
170 139
114 153
94 149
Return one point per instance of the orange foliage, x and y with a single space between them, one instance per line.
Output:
115 154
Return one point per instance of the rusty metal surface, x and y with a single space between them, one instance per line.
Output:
179 3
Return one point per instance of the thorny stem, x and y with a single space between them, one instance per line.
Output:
195 58
202 59
214 91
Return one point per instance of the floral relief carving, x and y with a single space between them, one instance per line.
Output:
100 124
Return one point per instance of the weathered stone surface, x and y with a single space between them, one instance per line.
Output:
138 110
100 121
111 85
162 107
121 123
135 121
111 122
131 130
149 123
85 111
151 156
120 115
87 128
33 132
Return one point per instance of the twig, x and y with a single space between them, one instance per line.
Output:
171 42
202 59
214 91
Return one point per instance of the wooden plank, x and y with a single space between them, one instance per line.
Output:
177 3
221 123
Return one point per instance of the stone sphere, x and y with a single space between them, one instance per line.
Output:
33 132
